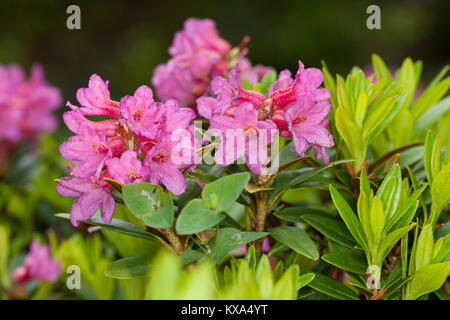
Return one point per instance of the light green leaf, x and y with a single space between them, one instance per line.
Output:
424 251
429 98
432 115
427 279
390 240
440 188
380 68
304 280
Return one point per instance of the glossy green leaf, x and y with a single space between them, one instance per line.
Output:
149 203
347 262
220 194
330 228
295 214
349 217
196 217
429 98
296 239
332 288
304 280
228 239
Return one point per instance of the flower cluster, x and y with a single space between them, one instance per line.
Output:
140 140
26 106
38 265
298 108
198 54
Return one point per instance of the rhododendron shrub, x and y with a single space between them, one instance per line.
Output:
340 175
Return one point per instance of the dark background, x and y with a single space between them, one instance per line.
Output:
123 41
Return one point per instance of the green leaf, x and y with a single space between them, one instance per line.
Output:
117 225
428 279
424 251
378 118
440 188
390 190
432 115
304 280
296 239
268 79
149 203
350 132
438 78
429 143
409 205
330 228
347 262
128 268
349 217
221 194
390 240
228 239
429 98
380 68
191 256
376 220
332 288
295 214
195 217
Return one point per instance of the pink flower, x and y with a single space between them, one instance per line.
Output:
306 121
25 106
74 120
243 134
96 99
298 108
91 194
127 169
87 150
141 113
198 54
163 169
38 265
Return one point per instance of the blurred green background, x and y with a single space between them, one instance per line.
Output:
123 41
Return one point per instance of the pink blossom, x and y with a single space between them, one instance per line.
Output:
91 194
306 123
96 99
127 169
25 106
298 108
198 54
87 150
249 137
141 113
38 265
163 169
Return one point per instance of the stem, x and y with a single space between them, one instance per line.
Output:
173 239
261 214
